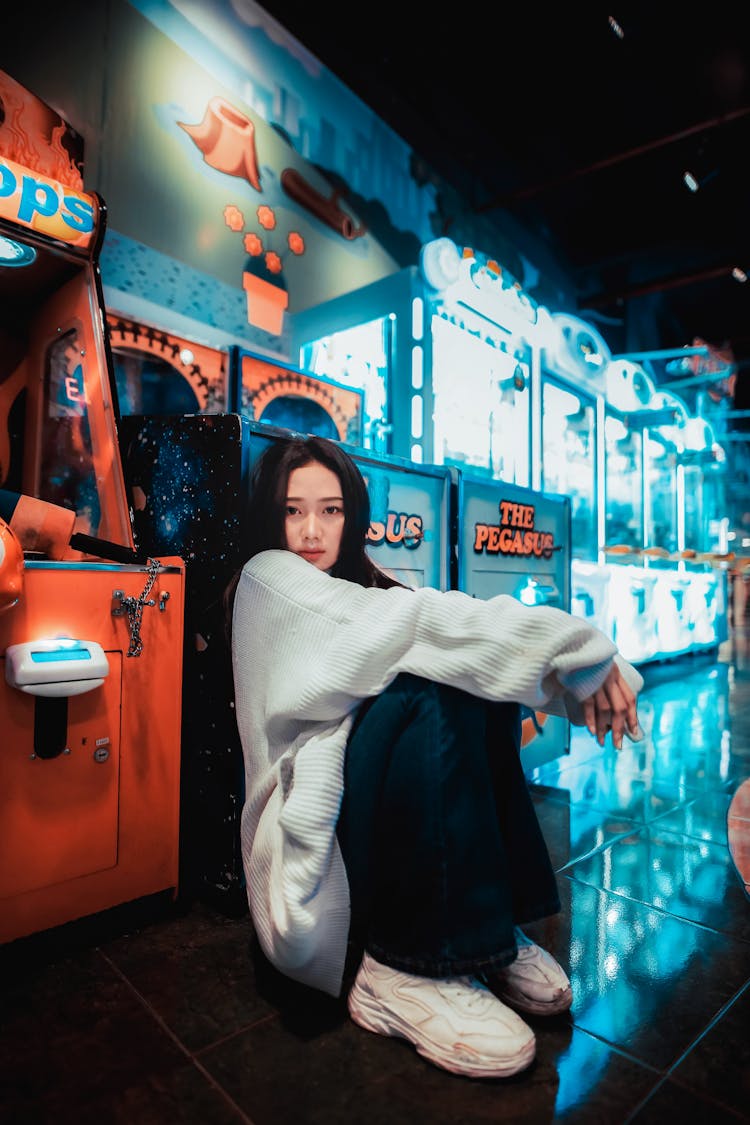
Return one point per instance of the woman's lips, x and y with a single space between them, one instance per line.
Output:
311 554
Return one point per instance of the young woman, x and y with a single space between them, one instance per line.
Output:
385 802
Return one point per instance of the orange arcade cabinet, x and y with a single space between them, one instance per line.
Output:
91 632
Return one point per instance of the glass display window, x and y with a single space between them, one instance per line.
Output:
661 492
715 522
569 460
358 357
68 472
706 523
482 400
623 473
694 518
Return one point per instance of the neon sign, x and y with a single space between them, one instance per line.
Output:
515 534
45 205
398 529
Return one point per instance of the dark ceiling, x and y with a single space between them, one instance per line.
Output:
582 133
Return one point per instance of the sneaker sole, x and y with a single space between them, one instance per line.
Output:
556 1007
371 1018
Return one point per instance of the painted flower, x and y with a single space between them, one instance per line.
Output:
233 217
296 242
253 245
266 217
262 260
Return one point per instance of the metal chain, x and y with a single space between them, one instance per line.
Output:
134 609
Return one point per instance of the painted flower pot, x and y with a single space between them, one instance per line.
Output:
266 303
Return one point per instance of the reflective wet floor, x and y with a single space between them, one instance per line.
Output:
158 1014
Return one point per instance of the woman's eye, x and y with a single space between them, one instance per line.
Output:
291 510
333 509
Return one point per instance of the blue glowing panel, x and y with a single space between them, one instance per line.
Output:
60 654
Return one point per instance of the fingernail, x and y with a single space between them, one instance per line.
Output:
637 735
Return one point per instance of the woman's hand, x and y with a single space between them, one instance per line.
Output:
612 707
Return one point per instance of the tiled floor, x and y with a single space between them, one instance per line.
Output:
154 1015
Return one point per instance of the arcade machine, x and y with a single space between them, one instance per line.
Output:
193 475
574 359
628 607
689 593
90 630
514 541
651 591
282 395
444 353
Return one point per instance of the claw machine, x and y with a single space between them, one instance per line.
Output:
690 593
90 630
515 541
445 354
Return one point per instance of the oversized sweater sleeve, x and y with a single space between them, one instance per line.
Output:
345 643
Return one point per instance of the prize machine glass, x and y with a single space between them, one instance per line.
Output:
442 351
630 609
629 393
86 821
64 453
480 332
482 403
569 460
357 357
705 471
623 469
706 533
574 359
689 595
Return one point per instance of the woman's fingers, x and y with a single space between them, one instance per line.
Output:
589 714
632 727
613 706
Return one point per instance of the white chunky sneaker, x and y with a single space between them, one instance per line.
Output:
534 982
455 1022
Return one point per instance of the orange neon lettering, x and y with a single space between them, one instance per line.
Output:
376 532
481 531
413 532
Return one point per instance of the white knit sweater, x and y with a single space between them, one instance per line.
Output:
307 649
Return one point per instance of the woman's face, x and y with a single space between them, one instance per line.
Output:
314 515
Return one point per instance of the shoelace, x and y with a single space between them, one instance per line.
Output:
458 986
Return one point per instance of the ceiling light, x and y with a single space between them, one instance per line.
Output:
739 274
693 181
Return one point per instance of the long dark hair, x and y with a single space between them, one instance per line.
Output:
266 513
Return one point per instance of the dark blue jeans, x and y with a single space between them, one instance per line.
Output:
442 846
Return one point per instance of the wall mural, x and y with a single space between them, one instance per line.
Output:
227 140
